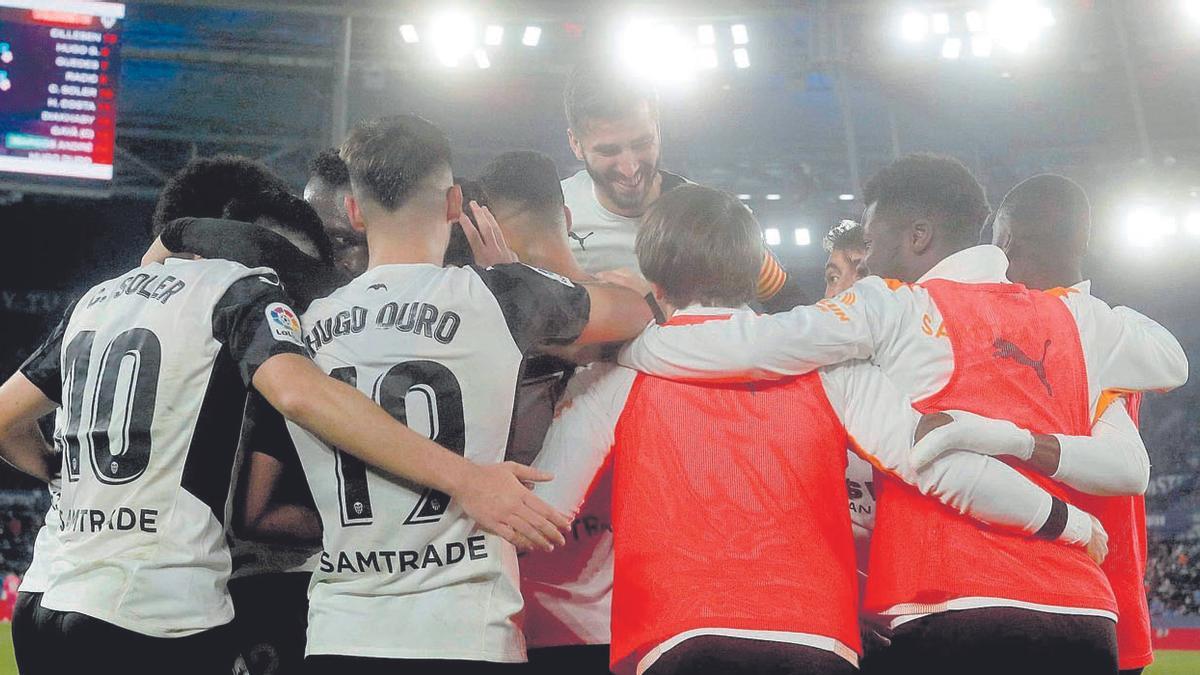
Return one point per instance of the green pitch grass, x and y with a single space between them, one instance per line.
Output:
1165 663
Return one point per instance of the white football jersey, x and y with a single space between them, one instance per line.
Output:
45 547
151 369
403 573
601 239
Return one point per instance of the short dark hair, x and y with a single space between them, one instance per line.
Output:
526 178
845 236
458 251
203 187
1049 208
934 186
292 213
329 167
389 157
598 91
701 245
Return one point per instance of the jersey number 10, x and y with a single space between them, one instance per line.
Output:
437 386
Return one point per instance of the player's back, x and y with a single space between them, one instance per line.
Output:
441 350
152 403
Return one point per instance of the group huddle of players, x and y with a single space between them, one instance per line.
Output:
414 423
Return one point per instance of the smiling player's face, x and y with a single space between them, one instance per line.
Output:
622 157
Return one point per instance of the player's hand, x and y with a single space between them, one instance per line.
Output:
970 432
1097 546
497 497
485 237
157 253
627 278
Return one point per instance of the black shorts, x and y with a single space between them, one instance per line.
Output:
53 642
270 622
360 665
573 660
999 641
722 655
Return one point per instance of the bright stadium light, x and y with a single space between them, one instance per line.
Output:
773 197
1147 225
408 33
940 22
482 60
981 46
741 36
532 36
975 21
846 197
952 48
1192 9
453 37
706 34
772 237
658 52
744 197
914 27
706 58
741 58
803 236
1015 24
493 36
1191 223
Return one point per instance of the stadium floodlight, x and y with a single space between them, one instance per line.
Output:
914 26
744 197
975 21
773 197
706 34
493 36
532 36
846 197
481 59
940 22
1192 9
741 58
803 236
453 37
1146 226
981 46
658 52
1191 223
772 237
1014 24
952 48
408 33
706 58
741 36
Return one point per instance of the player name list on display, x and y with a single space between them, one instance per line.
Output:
58 72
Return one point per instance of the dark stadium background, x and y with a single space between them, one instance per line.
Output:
259 78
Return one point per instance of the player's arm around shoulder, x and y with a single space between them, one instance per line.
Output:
1125 348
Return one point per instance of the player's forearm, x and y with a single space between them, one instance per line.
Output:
345 418
617 314
1111 462
23 446
285 522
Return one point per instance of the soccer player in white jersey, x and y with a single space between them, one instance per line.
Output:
151 370
406 580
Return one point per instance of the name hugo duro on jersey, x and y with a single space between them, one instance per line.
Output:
418 318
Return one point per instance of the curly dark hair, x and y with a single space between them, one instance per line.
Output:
203 187
292 213
1049 208
524 177
932 186
329 167
390 156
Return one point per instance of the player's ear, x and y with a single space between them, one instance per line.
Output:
569 218
454 203
660 297
354 213
921 236
576 146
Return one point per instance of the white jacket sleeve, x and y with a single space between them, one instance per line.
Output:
881 423
1111 462
1126 349
753 347
578 443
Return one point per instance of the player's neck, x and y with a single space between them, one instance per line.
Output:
400 247
1064 277
554 257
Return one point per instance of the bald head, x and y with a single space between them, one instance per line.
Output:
1043 225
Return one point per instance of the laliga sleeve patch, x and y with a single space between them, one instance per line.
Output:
551 275
284 324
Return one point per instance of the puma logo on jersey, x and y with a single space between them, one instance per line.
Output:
580 239
1008 350
377 287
